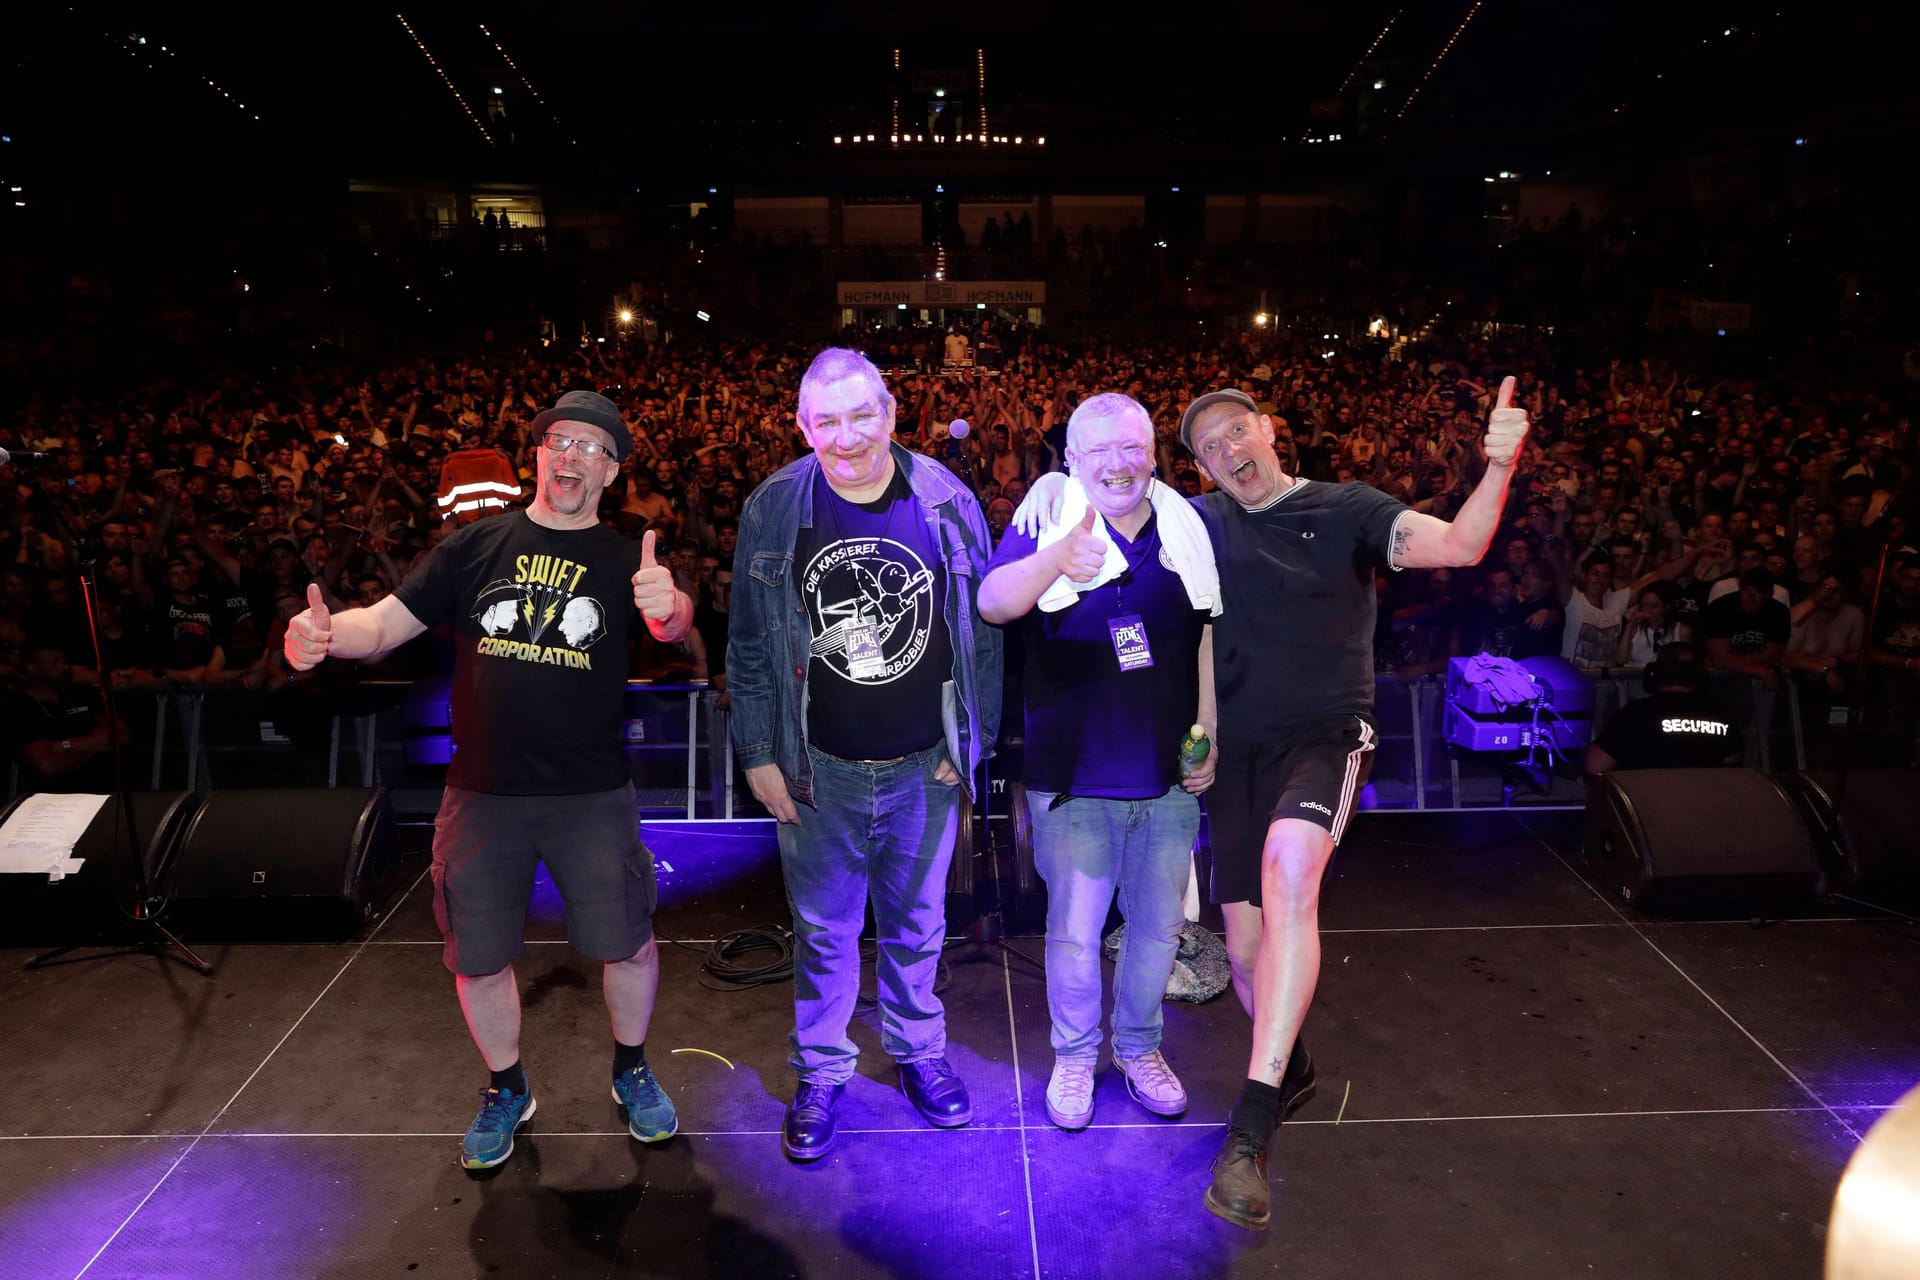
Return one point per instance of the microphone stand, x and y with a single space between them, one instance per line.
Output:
141 932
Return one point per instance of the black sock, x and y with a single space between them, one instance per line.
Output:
1258 1110
511 1078
628 1056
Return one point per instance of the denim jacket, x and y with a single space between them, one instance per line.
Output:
770 633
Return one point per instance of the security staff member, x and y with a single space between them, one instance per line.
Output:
1677 726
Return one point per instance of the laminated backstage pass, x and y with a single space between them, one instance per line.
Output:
1130 642
865 661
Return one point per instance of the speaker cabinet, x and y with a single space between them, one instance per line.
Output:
32 907
312 846
1699 840
1873 842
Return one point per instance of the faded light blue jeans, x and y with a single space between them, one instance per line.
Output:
1086 850
879 831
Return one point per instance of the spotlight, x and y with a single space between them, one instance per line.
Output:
1260 319
702 315
626 316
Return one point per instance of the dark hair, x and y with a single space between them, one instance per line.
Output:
1667 592
1597 559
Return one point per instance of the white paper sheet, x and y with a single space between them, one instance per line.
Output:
40 836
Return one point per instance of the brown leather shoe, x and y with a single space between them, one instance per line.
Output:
1239 1191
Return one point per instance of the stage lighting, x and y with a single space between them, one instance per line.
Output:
702 315
1260 319
626 317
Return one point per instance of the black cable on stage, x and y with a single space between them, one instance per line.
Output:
721 968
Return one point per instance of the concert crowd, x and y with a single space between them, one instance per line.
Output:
1746 515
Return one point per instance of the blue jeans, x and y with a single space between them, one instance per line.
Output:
883 831
1084 850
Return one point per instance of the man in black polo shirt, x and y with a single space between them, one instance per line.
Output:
1118 666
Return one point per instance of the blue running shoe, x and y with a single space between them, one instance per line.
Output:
490 1139
650 1113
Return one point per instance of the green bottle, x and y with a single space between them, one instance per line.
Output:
1193 749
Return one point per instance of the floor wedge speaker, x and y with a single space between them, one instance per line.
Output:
32 907
1872 843
1698 840
313 845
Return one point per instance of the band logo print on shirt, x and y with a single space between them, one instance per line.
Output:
873 608
536 602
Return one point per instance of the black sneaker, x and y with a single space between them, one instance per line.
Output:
808 1131
1300 1083
1239 1189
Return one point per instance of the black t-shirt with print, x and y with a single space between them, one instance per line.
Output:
73 713
1745 632
1670 730
190 630
871 579
1295 644
541 620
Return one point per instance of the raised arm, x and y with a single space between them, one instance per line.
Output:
1427 542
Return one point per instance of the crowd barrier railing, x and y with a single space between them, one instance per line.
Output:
398 734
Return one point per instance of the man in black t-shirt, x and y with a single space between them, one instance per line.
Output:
1677 726
189 623
866 692
1747 632
1293 671
539 601
1117 668
1497 625
52 726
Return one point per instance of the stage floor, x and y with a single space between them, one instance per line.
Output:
1515 1080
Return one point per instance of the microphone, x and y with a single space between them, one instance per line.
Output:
958 429
21 455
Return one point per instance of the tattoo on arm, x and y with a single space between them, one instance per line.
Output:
1400 540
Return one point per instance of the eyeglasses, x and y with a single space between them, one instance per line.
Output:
560 444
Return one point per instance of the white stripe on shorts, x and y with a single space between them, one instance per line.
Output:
1347 788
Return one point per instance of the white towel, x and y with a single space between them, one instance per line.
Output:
1182 536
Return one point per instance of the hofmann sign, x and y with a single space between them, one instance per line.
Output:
943 293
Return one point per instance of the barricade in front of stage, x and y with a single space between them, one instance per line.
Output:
397 735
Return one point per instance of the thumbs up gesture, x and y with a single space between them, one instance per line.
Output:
1506 428
310 634
654 594
1082 551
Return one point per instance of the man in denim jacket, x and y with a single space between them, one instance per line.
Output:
866 692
